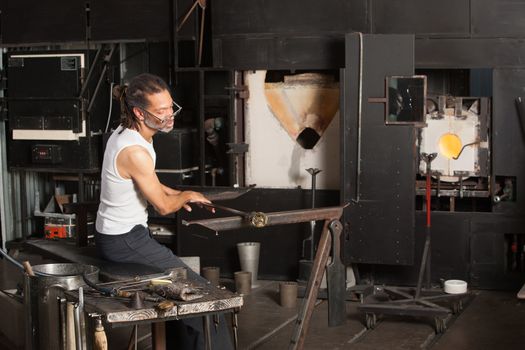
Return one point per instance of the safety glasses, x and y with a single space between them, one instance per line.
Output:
175 108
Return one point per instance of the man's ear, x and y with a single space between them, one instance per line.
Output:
138 113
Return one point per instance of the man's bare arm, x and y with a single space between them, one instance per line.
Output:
170 191
135 162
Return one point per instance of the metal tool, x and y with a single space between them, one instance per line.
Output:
461 151
272 219
113 288
256 219
100 340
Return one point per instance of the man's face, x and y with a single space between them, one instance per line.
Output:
159 114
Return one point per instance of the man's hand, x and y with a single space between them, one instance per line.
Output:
194 197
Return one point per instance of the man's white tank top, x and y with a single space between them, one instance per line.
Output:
122 205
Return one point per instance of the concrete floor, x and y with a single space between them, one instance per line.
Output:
491 320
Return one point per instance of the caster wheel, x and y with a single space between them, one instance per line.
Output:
455 308
371 321
440 325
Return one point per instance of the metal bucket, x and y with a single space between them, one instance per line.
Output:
42 301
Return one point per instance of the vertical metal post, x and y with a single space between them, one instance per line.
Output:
158 335
425 260
313 173
207 333
202 136
29 329
235 326
62 312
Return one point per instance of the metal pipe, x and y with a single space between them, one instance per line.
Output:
70 326
101 78
171 43
79 308
29 329
313 173
91 69
63 322
463 148
425 262
359 116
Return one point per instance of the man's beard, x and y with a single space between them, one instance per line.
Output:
152 125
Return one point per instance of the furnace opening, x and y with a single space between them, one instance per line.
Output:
450 145
308 138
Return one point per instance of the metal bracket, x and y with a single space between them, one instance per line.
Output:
237 148
241 91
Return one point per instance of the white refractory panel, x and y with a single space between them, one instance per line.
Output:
446 136
275 116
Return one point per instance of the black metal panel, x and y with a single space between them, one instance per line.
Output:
379 162
74 156
291 17
129 19
175 150
43 89
315 52
177 157
466 246
489 252
469 53
450 250
450 235
445 17
30 21
496 18
45 86
284 35
508 140
62 71
280 245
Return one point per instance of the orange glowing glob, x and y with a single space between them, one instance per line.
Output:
450 145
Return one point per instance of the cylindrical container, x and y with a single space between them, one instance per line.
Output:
43 293
455 287
212 274
243 282
249 258
288 294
